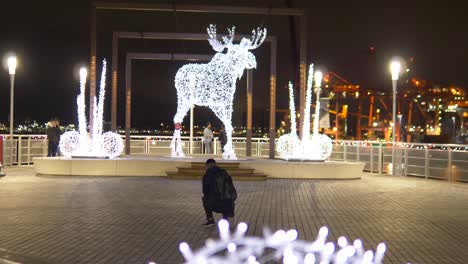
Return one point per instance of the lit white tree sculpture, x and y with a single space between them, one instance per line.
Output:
106 145
311 147
281 246
213 84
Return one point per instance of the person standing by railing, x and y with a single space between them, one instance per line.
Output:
208 138
222 137
53 136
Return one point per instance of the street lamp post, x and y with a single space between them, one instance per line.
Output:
395 70
12 70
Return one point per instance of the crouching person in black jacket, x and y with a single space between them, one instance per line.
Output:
219 193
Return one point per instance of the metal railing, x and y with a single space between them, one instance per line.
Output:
439 161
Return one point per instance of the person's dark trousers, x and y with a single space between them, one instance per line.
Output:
209 211
222 147
52 150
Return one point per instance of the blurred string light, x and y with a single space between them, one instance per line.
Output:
77 143
281 246
213 84
310 147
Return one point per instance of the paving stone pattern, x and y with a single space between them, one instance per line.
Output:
137 220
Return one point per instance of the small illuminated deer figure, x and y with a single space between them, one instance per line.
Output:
213 84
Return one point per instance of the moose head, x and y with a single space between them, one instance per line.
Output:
239 52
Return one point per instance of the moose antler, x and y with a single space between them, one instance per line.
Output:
215 43
258 36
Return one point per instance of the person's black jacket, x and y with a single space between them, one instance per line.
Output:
225 206
222 137
53 134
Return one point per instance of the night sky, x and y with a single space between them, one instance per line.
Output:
52 42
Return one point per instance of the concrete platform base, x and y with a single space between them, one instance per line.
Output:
135 166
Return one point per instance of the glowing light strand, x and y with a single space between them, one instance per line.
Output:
213 84
311 147
80 101
292 109
73 143
279 246
306 125
99 111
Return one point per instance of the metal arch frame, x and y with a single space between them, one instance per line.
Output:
128 84
212 9
188 57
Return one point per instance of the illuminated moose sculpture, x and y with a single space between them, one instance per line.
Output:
213 84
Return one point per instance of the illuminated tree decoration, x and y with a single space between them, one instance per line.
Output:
213 84
311 147
73 143
289 144
279 246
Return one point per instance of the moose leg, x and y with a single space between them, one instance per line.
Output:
228 152
176 144
225 115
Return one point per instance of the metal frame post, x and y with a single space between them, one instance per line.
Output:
128 103
271 152
92 77
248 142
302 70
115 63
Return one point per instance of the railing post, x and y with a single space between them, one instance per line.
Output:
258 148
11 151
380 162
406 161
450 164
215 147
358 152
371 158
426 163
344 151
19 151
44 147
147 146
29 151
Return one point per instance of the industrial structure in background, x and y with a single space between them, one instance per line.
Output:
427 111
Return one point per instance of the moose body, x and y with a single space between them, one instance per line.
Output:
206 82
213 84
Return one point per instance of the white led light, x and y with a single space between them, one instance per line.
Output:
213 84
278 246
73 143
310 147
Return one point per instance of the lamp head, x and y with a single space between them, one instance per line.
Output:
11 64
318 77
395 68
83 73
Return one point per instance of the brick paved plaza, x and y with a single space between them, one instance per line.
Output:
135 220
